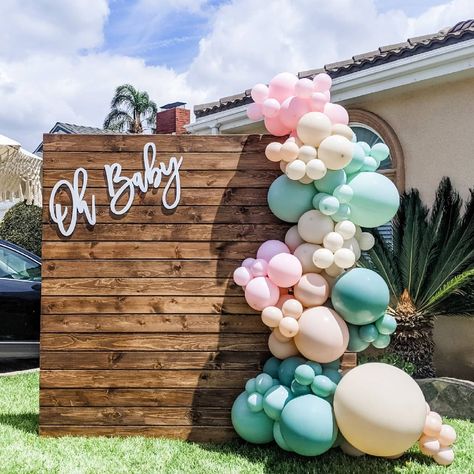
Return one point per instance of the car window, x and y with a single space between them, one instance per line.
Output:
17 266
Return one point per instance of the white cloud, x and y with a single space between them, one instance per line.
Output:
51 68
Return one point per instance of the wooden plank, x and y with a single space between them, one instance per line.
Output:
222 268
171 232
205 360
197 434
134 397
145 378
148 250
153 342
171 143
136 323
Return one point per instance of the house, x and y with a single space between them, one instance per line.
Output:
416 96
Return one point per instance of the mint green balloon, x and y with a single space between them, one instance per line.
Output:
299 389
289 200
255 402
343 214
370 164
343 193
356 344
368 333
382 341
323 386
375 200
387 324
330 181
304 374
263 382
308 426
279 438
380 152
357 160
252 427
360 296
329 205
271 367
317 199
365 147
275 400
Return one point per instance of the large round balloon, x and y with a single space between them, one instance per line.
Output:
379 409
375 200
307 425
311 290
289 199
254 427
323 335
286 371
275 399
360 296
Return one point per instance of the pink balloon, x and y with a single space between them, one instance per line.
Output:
261 292
282 86
242 276
270 248
259 268
271 107
284 270
248 262
255 112
295 109
276 127
283 298
304 88
259 93
322 82
318 101
327 94
336 113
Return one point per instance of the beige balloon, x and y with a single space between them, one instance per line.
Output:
296 170
307 153
281 350
379 409
289 151
292 239
289 326
311 290
323 335
313 127
272 151
314 225
344 130
306 179
271 316
335 151
304 253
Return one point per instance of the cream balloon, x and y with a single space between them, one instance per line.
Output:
344 258
292 239
445 456
304 253
271 316
333 241
289 326
379 409
352 244
316 169
307 153
447 435
283 165
289 151
292 309
314 225
272 151
348 449
281 350
346 228
344 130
428 445
296 170
313 128
366 241
311 290
336 152
334 270
323 258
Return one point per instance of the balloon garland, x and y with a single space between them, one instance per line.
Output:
313 300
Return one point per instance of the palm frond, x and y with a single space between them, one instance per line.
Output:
117 120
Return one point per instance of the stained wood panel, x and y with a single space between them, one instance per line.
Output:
143 331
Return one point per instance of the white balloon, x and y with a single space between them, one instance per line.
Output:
323 258
336 152
314 225
316 169
313 127
333 241
289 150
307 153
296 170
334 270
272 151
366 241
353 245
346 228
344 258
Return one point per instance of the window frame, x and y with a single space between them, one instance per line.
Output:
27 257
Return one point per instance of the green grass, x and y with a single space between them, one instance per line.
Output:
23 451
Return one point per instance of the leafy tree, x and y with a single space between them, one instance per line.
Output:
130 109
429 269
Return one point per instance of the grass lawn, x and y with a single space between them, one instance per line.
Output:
23 451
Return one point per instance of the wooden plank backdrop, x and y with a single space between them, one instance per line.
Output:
143 331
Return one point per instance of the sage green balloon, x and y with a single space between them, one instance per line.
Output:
252 427
387 324
289 200
356 344
330 181
357 160
308 426
375 200
368 333
360 296
279 438
275 399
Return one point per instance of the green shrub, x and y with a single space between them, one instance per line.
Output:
22 226
389 358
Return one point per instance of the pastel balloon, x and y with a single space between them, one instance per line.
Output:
370 164
279 438
344 130
307 153
380 152
304 374
323 258
379 409
331 180
270 248
445 456
432 426
259 268
366 241
353 245
314 225
313 128
304 253
375 200
292 239
386 324
275 400
344 258
447 435
336 113
333 241
334 270
270 107
281 349
293 110
255 112
343 193
288 326
272 151
242 276
248 262
346 228
261 292
275 126
356 344
318 101
296 170
357 161
368 333
292 308
289 150
336 152
271 316
304 88
328 205
287 369
271 367
288 200
284 270
311 290
316 169
428 445
322 82
259 93
282 86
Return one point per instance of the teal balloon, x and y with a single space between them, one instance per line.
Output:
289 200
271 367
329 205
380 152
332 374
382 341
252 427
316 366
343 193
357 160
386 324
335 364
368 333
263 382
255 402
330 181
360 296
279 438
308 426
356 344
375 200
275 400
304 374
286 372
250 386
370 164
317 199
298 389
323 386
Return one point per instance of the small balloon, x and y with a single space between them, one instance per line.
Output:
259 93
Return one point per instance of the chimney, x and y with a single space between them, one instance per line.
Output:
172 118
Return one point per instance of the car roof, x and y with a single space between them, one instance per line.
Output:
17 248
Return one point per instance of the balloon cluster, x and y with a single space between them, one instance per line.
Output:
316 304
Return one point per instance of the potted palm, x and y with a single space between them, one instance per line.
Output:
429 269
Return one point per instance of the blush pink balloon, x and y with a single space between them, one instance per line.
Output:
283 298
259 93
261 292
304 88
284 270
271 107
322 82
336 113
248 262
295 109
270 248
282 86
259 268
255 112
276 127
318 101
242 276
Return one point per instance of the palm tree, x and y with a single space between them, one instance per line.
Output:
429 269
129 109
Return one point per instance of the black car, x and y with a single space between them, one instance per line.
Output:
20 292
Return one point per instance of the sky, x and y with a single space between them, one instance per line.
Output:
61 61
